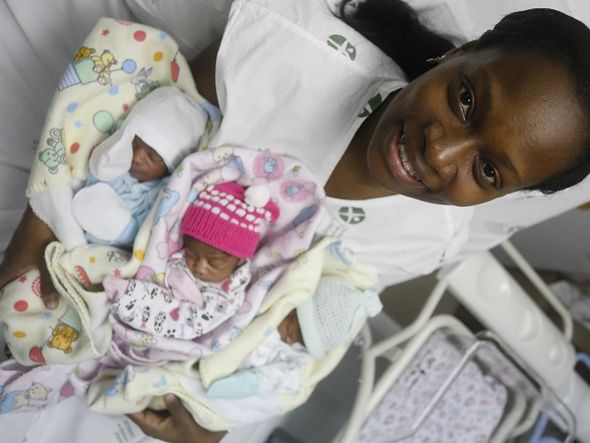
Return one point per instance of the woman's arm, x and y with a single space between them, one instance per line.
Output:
175 425
203 70
25 251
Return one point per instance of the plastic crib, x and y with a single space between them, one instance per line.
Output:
522 350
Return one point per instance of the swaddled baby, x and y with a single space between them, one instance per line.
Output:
326 320
127 170
205 282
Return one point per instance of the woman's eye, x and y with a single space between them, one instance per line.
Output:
466 101
488 172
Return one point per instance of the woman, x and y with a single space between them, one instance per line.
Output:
445 138
503 113
465 132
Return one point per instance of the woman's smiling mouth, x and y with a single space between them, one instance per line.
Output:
400 164
403 155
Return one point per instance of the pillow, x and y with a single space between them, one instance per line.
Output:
194 24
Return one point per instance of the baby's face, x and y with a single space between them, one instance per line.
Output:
147 164
289 329
207 263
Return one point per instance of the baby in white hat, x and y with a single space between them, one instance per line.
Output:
330 317
325 321
127 169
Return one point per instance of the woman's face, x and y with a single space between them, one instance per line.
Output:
480 125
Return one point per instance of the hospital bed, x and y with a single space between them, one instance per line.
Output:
37 37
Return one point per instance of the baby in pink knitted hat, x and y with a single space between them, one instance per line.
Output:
222 229
205 282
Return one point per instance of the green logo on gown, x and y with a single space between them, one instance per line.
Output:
342 45
351 215
374 101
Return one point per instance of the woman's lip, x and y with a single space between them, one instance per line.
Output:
395 163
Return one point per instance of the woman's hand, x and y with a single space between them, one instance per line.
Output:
25 251
175 425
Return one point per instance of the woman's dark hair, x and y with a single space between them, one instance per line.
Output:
395 28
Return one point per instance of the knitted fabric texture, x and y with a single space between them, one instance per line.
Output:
224 217
330 317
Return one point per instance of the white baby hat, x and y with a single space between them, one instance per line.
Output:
333 313
166 119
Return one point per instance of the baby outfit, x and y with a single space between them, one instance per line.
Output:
257 371
227 217
330 317
185 307
169 122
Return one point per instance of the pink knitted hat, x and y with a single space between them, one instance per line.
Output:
228 216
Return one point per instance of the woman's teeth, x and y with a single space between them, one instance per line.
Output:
403 155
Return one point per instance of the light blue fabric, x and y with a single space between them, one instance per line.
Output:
8 402
138 196
238 385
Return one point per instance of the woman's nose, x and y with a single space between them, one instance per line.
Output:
448 149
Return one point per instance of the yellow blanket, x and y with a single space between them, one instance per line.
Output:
116 65
137 388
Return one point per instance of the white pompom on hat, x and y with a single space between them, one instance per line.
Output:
333 314
166 119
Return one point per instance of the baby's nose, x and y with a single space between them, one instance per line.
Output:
199 268
138 159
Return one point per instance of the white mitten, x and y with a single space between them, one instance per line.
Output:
101 212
